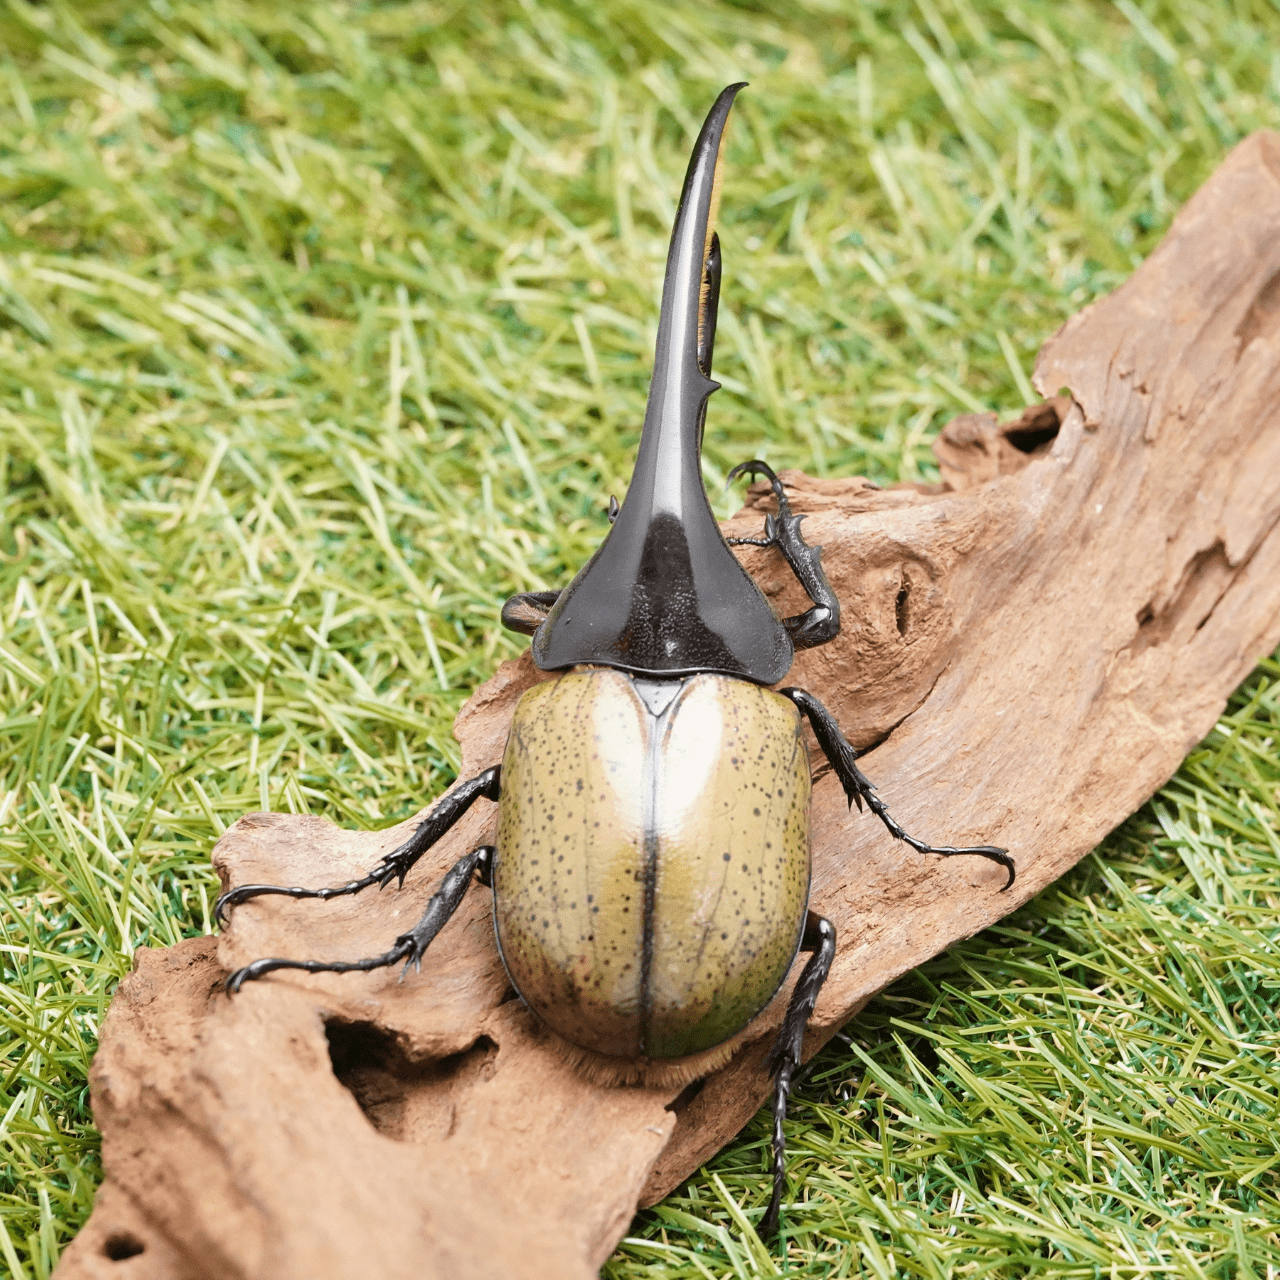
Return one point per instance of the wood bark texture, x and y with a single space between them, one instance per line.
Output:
1028 653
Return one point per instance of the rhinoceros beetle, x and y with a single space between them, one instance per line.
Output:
651 873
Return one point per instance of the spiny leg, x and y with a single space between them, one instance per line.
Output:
857 787
821 623
394 865
784 1060
408 947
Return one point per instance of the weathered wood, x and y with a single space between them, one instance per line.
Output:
1028 653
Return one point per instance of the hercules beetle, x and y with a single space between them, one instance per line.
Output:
651 873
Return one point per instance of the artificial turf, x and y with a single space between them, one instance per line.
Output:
326 326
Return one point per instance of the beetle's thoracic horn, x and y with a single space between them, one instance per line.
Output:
664 595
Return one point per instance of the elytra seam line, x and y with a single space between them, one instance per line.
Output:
658 726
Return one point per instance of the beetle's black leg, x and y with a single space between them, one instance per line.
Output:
821 623
394 865
859 788
526 612
410 946
784 1060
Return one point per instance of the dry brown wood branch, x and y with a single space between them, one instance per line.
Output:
1029 652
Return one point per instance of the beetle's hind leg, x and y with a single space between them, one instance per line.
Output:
858 787
821 623
408 947
394 865
784 1060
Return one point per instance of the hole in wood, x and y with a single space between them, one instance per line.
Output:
121 1245
404 1096
1037 428
368 1066
1030 441
900 605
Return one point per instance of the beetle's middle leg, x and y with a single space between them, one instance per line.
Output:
821 623
858 787
408 947
784 1060
394 865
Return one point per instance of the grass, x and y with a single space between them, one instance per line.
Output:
324 327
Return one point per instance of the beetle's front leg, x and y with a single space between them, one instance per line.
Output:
859 788
395 865
526 612
784 1059
408 947
821 623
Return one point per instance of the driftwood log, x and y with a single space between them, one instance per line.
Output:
1029 652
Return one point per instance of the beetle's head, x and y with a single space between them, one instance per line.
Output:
664 594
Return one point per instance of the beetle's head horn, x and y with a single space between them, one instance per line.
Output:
664 594
691 291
